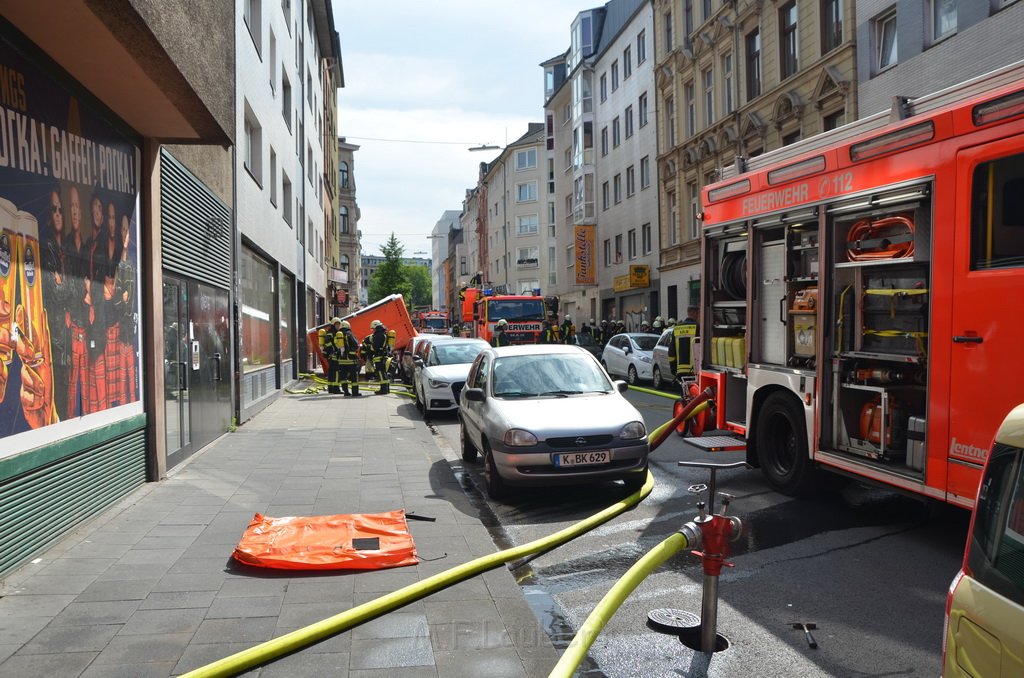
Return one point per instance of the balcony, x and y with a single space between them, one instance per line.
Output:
532 262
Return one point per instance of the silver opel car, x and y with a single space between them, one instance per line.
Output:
549 415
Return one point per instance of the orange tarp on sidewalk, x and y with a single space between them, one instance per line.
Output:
362 541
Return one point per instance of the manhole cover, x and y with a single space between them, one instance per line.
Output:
675 622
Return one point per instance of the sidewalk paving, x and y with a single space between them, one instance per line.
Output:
149 588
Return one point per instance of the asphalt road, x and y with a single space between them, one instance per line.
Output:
869 567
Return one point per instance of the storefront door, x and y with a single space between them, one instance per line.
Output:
197 391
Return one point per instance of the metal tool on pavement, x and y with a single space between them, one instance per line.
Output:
807 626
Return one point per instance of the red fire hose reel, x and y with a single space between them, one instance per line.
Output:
884 238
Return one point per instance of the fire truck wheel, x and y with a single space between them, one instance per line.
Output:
496 487
782 445
468 449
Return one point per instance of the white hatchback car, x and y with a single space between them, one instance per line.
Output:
441 372
630 355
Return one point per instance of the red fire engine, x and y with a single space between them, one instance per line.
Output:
524 314
858 295
432 322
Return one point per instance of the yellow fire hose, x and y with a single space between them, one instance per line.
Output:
360 614
663 394
610 603
300 638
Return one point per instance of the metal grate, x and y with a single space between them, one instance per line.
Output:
718 443
575 442
196 231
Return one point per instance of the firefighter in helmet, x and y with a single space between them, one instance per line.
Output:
500 337
347 350
328 347
366 351
568 330
381 352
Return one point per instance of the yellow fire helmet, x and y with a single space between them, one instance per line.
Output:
335 320
373 324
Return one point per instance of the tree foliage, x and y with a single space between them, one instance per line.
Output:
391 276
422 290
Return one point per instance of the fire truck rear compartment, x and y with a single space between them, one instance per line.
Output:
876 380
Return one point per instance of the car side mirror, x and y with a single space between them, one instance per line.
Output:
621 386
474 394
627 350
417 360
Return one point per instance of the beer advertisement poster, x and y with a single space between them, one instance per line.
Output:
69 277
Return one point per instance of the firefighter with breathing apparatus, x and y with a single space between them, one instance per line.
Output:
500 338
347 350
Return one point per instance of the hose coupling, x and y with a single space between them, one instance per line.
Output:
693 535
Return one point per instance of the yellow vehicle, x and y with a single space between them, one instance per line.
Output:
985 608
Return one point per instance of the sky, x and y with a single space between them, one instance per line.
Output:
424 83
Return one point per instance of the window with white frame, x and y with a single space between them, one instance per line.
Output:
627 62
272 61
286 198
645 172
253 145
753 43
526 159
942 14
667 24
616 133
528 286
788 48
343 218
885 41
526 257
552 266
604 140
831 25
526 191
551 218
604 87
605 196
252 13
617 188
527 224
618 249
641 47
709 96
630 181
642 109
629 121
645 238
670 122
689 96
631 243
286 99
607 252
694 208
673 219
615 75
727 83
273 177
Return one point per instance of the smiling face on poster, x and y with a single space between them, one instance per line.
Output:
69 214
